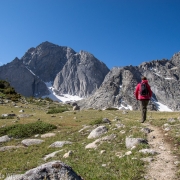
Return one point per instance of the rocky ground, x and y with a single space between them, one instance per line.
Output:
164 165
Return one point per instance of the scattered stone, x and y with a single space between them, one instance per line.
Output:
102 151
8 115
76 107
29 142
21 111
146 130
23 115
148 151
7 148
130 142
5 138
106 120
147 159
128 153
171 120
119 125
122 132
177 163
60 143
51 155
85 127
93 145
103 165
97 132
47 135
68 154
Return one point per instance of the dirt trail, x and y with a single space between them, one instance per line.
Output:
163 167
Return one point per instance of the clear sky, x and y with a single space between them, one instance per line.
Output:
117 32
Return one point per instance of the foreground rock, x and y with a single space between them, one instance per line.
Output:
55 170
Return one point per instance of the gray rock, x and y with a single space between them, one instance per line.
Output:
148 151
97 132
7 148
147 159
47 135
30 142
130 142
56 170
14 177
106 120
146 130
76 108
51 155
60 144
8 115
171 120
5 138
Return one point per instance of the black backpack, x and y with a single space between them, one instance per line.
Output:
144 89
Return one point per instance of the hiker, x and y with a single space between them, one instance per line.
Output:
143 93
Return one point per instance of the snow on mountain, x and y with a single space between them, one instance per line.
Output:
60 98
161 107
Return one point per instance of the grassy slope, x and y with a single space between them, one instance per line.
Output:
86 162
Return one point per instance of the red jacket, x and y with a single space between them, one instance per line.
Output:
137 91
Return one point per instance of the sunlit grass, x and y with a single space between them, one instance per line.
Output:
89 163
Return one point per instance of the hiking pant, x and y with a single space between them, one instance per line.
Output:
144 104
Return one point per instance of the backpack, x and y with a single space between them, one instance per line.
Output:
144 89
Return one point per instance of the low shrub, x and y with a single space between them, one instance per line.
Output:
26 130
111 108
57 110
97 121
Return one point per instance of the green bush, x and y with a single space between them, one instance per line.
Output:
26 130
57 110
97 121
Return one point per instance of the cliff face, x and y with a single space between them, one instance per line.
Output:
81 75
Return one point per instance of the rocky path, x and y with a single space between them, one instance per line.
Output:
163 165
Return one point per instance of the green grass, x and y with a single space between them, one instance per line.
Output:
26 130
89 163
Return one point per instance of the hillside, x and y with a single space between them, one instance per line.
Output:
116 153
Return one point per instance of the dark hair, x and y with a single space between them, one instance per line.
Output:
144 78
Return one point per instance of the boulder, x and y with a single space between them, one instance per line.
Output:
5 138
97 132
130 142
56 170
47 135
29 142
60 143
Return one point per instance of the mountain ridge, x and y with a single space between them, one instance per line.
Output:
83 75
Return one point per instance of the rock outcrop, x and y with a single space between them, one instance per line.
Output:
81 75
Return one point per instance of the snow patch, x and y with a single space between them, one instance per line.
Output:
60 98
161 107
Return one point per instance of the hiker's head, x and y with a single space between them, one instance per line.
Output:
144 78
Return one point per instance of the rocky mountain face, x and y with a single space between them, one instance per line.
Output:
73 72
118 87
81 75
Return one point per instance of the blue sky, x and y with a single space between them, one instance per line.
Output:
117 32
